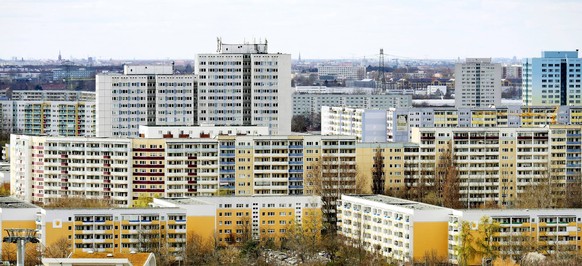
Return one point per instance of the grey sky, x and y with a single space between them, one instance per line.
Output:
156 29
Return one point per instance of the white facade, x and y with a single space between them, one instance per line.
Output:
152 96
477 83
367 125
45 168
387 223
245 85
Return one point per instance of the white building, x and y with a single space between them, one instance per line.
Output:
245 85
143 95
396 228
366 124
477 83
342 71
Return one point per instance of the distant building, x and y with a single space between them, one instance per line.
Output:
342 71
78 73
364 83
477 83
52 95
311 103
511 72
553 79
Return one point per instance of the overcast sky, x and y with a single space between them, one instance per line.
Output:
173 29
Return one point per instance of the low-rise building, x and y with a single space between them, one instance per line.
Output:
396 228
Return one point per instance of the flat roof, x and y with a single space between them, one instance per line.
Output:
399 202
11 202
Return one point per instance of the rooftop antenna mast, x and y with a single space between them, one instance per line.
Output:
381 75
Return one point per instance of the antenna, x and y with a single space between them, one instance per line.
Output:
381 86
218 44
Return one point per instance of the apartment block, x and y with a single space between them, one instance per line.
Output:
495 165
243 84
45 168
311 103
228 220
548 231
367 125
143 95
115 230
552 79
477 83
401 120
236 219
396 228
55 118
342 71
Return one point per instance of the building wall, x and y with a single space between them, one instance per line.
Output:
437 232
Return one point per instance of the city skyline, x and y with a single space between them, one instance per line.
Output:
316 30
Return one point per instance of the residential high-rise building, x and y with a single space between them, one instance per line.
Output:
477 83
143 95
553 79
245 85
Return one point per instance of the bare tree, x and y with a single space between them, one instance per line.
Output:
447 179
378 179
77 202
329 178
539 195
198 251
58 249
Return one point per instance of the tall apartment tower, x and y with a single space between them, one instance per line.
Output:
143 95
243 84
477 83
552 80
